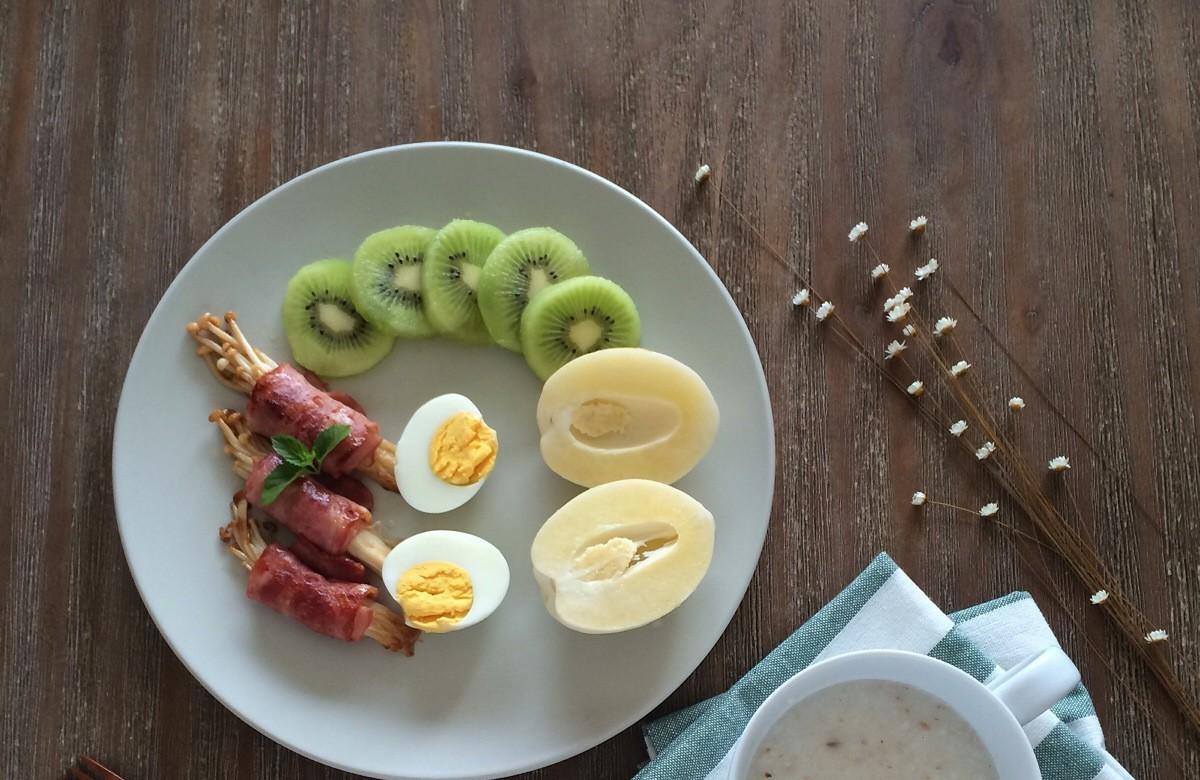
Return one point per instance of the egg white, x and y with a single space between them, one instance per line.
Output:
420 486
481 560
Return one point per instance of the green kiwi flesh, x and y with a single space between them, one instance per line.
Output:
520 267
386 286
453 264
575 317
326 333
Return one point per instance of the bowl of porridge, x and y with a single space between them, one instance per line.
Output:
903 716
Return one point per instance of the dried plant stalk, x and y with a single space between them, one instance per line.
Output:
1049 527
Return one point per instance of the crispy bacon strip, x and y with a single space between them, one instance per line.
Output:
238 365
247 450
338 609
284 402
244 540
307 507
335 567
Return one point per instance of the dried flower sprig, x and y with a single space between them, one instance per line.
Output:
1059 463
1053 530
1099 597
944 325
925 271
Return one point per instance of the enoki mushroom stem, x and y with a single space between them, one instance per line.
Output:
244 540
229 355
246 449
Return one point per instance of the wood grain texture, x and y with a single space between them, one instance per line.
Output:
1054 146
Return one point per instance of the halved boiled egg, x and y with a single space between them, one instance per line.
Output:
445 580
444 454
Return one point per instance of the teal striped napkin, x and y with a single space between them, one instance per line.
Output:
883 608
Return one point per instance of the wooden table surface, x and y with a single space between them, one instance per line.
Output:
1054 146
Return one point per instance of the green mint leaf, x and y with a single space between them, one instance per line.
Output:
280 477
292 450
327 440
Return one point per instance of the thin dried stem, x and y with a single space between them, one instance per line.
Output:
1021 482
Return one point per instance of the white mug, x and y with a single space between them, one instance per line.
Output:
996 711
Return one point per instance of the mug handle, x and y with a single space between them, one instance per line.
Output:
1032 686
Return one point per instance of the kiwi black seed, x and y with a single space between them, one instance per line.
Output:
519 268
325 331
575 317
387 280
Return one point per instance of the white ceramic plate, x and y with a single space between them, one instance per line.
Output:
518 691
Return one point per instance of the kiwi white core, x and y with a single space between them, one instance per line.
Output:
538 281
585 334
335 319
470 275
407 277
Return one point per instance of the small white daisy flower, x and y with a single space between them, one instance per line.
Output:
858 231
959 368
1059 463
880 271
702 173
903 295
1100 596
910 330
801 298
989 509
899 312
944 325
927 270
918 498
916 389
823 311
1157 635
893 349
984 452
959 428
1016 403
917 225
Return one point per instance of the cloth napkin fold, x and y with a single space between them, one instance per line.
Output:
884 609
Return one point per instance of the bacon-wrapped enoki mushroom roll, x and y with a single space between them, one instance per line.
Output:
331 522
278 579
283 400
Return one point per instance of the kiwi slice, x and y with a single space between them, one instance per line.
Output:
450 277
575 317
386 287
519 268
326 333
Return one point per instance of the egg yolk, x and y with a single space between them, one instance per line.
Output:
435 596
463 450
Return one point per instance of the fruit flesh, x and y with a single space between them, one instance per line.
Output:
577 317
450 278
386 285
326 333
622 555
625 414
520 268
